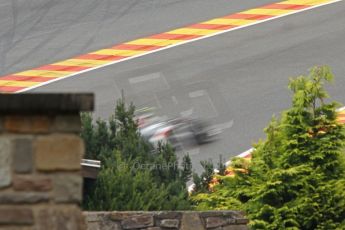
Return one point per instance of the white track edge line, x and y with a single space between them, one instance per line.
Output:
178 44
244 154
340 109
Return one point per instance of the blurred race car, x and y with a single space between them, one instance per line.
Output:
175 131
160 132
196 129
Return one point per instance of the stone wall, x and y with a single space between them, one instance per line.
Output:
40 155
216 220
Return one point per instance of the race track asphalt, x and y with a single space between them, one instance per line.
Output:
38 32
237 79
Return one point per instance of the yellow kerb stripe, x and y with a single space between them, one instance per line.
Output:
155 42
306 2
119 52
274 12
82 62
229 21
44 73
18 83
190 31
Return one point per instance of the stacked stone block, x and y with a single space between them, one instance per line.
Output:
166 220
40 155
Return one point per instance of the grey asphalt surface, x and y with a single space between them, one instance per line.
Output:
238 79
37 32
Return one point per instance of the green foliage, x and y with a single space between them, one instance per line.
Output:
202 182
134 175
296 176
119 187
219 199
186 165
221 167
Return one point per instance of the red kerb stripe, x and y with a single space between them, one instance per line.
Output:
249 16
26 78
211 26
10 89
100 57
285 6
63 68
174 36
135 47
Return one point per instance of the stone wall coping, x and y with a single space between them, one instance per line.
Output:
168 214
161 220
46 103
204 213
